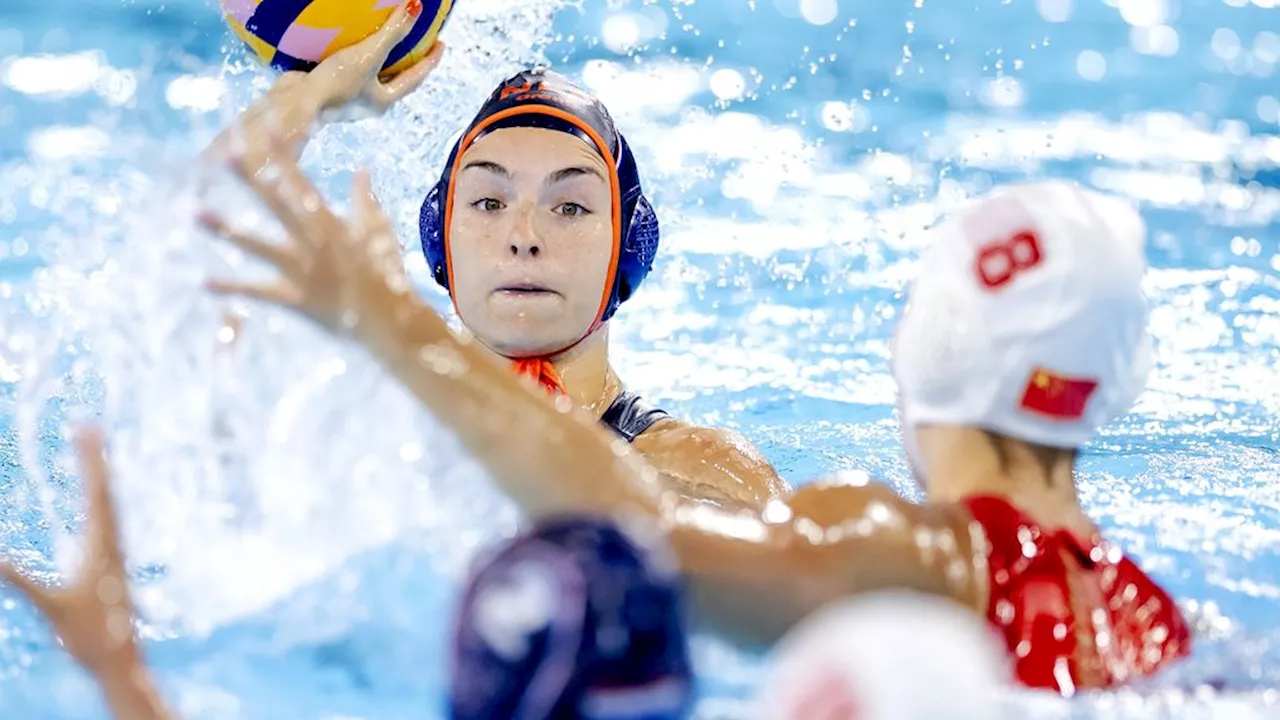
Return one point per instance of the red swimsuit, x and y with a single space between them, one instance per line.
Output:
1135 625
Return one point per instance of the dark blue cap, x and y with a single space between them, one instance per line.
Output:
544 99
572 619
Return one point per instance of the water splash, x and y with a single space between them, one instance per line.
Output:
245 470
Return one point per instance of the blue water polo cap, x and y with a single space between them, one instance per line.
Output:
543 99
572 619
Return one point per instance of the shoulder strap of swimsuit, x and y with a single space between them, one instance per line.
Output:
630 416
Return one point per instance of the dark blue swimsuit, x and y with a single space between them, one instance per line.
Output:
630 416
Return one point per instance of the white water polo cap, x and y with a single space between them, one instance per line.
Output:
1027 317
889 655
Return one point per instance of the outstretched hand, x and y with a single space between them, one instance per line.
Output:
93 613
346 275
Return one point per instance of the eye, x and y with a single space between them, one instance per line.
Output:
571 209
488 205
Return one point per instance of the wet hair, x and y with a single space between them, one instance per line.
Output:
1046 456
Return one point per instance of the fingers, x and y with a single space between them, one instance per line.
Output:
229 331
373 227
397 27
104 529
369 215
406 82
283 187
283 294
287 81
281 257
35 593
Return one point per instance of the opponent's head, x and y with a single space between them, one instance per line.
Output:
872 656
538 226
1027 319
572 619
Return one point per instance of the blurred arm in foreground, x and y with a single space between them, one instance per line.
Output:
992 420
755 575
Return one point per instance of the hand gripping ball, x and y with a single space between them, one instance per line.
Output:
298 34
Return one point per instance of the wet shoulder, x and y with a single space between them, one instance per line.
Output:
718 460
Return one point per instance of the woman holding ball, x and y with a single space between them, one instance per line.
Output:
539 229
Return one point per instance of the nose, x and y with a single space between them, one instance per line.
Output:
524 241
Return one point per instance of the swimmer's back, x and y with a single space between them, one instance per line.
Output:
1074 611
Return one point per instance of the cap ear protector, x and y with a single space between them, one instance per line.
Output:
545 100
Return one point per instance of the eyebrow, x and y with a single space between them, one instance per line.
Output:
488 165
555 177
571 172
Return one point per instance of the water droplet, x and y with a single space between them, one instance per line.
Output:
226 334
110 590
411 452
270 174
398 283
444 360
119 626
563 404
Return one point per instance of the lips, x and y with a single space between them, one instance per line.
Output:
525 289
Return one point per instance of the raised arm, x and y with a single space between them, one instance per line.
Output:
295 106
93 613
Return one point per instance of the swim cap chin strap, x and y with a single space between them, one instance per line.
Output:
541 370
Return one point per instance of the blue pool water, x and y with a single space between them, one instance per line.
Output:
299 563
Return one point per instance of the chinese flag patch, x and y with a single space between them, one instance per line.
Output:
1057 396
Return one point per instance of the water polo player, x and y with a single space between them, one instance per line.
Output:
1025 334
540 230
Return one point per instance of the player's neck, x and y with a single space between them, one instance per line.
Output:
589 379
963 462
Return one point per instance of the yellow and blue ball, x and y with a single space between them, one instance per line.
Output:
298 34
